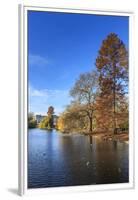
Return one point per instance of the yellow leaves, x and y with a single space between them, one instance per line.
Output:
60 123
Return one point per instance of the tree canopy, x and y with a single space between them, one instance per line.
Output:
112 64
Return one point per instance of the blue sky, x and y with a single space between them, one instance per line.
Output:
60 47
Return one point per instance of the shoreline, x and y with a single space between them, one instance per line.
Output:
121 137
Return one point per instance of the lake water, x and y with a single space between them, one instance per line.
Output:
56 159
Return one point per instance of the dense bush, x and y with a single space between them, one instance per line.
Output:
32 123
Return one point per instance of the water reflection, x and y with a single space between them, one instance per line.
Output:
56 159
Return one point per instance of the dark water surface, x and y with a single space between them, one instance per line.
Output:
56 159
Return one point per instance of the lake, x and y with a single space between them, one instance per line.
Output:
56 159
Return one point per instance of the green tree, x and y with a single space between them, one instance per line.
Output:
47 122
50 117
32 123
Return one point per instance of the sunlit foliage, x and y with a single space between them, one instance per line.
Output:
112 64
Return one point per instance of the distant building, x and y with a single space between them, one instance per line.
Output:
39 118
55 118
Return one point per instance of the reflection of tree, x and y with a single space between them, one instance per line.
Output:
115 145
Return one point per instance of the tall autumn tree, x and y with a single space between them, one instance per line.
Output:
112 64
84 94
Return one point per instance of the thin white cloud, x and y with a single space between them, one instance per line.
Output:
33 92
40 100
46 92
37 60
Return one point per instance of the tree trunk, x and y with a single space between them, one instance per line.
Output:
90 129
114 100
114 117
